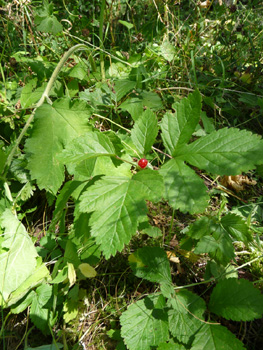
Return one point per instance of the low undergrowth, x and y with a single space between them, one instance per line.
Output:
131 182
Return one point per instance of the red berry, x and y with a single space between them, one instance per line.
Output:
143 163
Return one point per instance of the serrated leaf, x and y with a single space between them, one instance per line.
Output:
148 321
18 255
151 100
206 244
118 204
236 227
122 87
177 128
236 300
186 315
225 251
183 188
54 127
224 152
134 106
151 263
200 228
216 337
171 346
90 145
39 315
144 132
46 21
153 181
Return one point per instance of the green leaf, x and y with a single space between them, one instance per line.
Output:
171 346
122 87
200 228
183 188
186 315
134 106
151 100
168 51
126 24
236 227
90 145
151 263
46 21
144 132
3 157
236 300
18 255
28 97
23 303
39 275
54 127
224 152
177 128
225 251
148 321
216 337
152 182
206 244
62 200
40 315
118 204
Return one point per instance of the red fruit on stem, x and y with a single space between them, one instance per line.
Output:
143 163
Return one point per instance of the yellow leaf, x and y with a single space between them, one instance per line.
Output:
71 274
189 255
172 257
134 259
87 270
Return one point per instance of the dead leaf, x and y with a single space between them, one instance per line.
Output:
236 182
172 257
204 4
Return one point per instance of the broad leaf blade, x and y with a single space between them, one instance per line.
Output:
90 145
236 227
145 131
216 337
183 188
151 263
122 87
152 182
186 315
145 323
236 300
224 152
18 255
177 128
117 211
54 127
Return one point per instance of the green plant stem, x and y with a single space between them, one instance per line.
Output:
45 96
213 279
109 120
102 67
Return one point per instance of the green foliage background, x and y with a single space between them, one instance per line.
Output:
165 257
